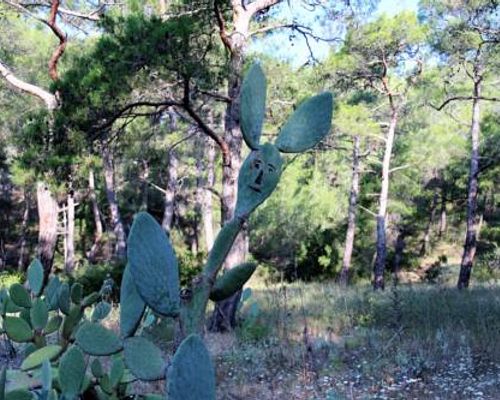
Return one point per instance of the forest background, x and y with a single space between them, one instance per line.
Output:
109 108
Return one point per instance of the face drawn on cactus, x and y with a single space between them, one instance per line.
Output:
259 175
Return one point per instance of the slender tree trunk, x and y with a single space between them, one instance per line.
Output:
380 259
398 255
443 216
170 191
351 214
48 210
69 262
24 230
472 192
428 228
97 218
116 221
206 197
145 185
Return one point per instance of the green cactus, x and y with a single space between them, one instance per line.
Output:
72 368
20 296
144 359
191 375
35 277
38 357
232 281
96 340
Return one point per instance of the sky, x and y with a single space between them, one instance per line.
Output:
294 49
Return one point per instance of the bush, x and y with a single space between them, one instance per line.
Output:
7 279
91 277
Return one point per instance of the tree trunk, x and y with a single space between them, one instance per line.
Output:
380 259
48 210
398 255
69 262
442 217
428 228
472 192
351 214
97 218
24 231
120 251
224 316
171 189
145 185
206 197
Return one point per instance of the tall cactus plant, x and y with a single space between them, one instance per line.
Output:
152 271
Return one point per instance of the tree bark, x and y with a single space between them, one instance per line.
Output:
443 216
48 210
24 229
170 191
145 186
428 228
69 262
472 193
381 245
120 251
97 218
398 255
351 214
206 197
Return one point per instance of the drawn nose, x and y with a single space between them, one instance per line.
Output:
258 181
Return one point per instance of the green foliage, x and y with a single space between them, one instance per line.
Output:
7 279
91 277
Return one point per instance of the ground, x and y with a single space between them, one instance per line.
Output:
318 341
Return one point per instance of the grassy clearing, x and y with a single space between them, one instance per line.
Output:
316 341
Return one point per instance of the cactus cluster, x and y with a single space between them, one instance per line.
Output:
151 282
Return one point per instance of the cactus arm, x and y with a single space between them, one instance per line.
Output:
192 313
222 246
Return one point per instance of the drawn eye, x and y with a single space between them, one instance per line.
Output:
271 168
257 164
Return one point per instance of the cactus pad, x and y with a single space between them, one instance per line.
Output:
17 329
96 340
307 125
153 265
63 298
52 293
71 372
19 394
131 305
39 314
253 105
191 375
35 276
37 358
259 175
232 281
101 311
144 359
19 295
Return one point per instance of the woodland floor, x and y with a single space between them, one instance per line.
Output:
316 341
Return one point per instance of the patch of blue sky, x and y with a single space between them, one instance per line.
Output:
288 46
